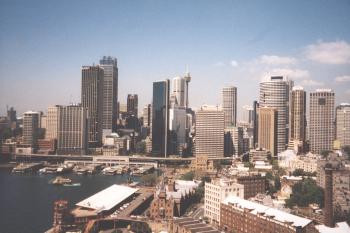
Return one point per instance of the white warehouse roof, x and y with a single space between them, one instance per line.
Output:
107 198
256 208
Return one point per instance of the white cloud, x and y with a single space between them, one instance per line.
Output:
290 73
334 53
234 63
277 60
310 82
344 78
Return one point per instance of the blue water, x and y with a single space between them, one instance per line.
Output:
26 201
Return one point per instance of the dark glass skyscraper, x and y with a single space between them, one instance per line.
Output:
160 117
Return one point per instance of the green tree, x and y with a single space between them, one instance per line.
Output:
141 147
149 179
188 176
325 153
306 192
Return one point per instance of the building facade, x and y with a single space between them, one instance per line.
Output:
274 93
72 130
110 93
297 118
31 128
229 105
233 144
239 215
92 100
132 104
343 124
321 124
160 118
215 192
268 119
209 132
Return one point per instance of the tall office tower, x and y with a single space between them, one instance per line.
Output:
30 128
110 94
297 116
146 114
11 115
177 128
187 80
179 89
321 123
229 105
72 129
160 117
343 124
274 93
132 104
268 120
210 131
92 99
255 123
248 115
233 144
52 122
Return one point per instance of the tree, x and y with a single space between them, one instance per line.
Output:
306 192
141 147
149 179
188 176
346 149
217 166
325 153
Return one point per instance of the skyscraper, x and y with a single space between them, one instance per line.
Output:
160 117
229 105
233 141
92 100
210 131
248 115
72 129
274 93
147 115
267 138
177 128
132 104
110 93
52 122
321 125
179 89
30 128
343 124
297 117
187 80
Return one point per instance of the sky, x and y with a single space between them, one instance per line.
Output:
43 45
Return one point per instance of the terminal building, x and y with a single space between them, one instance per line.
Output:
103 203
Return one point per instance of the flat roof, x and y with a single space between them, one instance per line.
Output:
107 198
278 215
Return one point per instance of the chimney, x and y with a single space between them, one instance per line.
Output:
328 197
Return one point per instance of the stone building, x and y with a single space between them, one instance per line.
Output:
171 200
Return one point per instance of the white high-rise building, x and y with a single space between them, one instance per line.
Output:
209 138
321 125
343 124
72 129
179 89
215 192
248 115
229 105
274 93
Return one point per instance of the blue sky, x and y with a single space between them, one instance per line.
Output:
43 44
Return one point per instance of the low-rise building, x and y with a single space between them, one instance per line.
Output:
202 164
190 225
171 200
239 215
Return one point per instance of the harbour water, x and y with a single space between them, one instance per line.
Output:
26 200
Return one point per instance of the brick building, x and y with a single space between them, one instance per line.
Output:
239 215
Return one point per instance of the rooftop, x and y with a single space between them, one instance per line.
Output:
107 198
340 227
255 208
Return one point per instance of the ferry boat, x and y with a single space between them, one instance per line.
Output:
59 180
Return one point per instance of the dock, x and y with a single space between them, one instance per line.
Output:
27 167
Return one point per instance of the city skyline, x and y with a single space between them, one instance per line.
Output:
219 43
